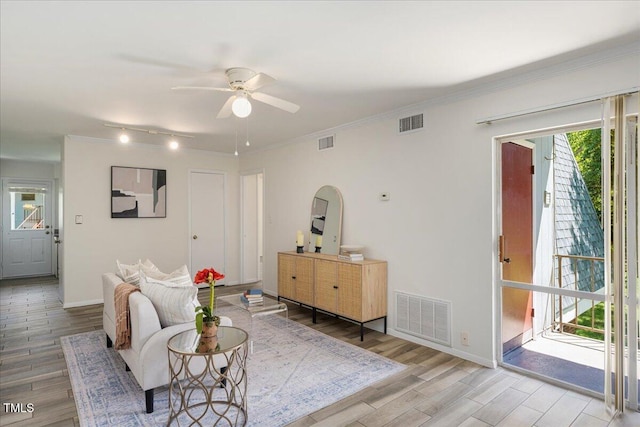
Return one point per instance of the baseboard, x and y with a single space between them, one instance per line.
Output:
452 351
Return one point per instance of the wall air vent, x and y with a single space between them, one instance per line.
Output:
325 143
423 317
412 123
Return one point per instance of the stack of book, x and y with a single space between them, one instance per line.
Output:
252 297
346 255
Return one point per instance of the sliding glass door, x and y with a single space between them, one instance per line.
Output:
620 202
568 254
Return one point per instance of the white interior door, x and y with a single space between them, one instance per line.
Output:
251 248
207 221
26 228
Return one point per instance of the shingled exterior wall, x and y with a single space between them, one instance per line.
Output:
578 230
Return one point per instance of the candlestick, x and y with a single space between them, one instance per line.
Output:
319 241
299 238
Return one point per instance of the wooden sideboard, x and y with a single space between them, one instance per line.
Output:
355 290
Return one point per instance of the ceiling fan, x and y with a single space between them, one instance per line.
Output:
244 83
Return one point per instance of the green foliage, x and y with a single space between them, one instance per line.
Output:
586 149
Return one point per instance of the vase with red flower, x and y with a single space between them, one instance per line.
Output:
207 322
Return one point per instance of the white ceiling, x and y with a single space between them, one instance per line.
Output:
67 68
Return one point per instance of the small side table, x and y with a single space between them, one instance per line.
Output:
208 388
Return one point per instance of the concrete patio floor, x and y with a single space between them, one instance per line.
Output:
564 357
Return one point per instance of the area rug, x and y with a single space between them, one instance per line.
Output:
292 372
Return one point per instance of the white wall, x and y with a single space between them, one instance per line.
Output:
438 231
92 248
23 169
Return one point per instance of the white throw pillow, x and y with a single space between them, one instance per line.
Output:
175 304
149 265
129 273
180 276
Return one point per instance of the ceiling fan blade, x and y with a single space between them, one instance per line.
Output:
218 89
225 111
276 102
257 81
159 63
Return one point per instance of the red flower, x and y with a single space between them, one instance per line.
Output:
207 275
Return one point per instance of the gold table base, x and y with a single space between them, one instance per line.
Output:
208 388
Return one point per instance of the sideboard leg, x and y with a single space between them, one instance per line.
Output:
361 331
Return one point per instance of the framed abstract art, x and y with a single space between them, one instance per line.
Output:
138 192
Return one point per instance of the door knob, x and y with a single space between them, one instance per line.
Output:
47 232
195 236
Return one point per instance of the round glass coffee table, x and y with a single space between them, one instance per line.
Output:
208 388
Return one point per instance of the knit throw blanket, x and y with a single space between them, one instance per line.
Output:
123 318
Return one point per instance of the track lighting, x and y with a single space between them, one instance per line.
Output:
241 106
124 138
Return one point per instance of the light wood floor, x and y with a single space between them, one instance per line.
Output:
436 390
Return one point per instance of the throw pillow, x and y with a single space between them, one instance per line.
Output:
149 265
175 304
129 273
180 276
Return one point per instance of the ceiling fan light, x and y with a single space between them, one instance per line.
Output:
124 138
241 107
174 145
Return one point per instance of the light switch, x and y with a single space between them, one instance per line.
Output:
78 219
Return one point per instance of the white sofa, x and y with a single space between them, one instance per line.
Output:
147 358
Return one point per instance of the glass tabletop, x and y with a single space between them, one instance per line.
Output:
268 305
228 338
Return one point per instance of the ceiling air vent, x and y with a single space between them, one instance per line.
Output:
413 123
325 142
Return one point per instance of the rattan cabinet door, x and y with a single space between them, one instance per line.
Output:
304 280
350 290
326 285
286 274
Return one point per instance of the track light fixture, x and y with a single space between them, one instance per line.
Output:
124 137
149 131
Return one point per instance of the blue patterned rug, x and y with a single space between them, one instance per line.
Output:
293 371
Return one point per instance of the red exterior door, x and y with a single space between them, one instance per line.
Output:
517 243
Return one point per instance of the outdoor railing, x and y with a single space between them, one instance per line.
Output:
563 308
32 220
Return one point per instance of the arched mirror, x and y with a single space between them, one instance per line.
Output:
326 221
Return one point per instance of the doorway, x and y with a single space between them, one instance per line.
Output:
207 238
566 303
516 243
252 207
27 233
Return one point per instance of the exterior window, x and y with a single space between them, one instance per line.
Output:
27 208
